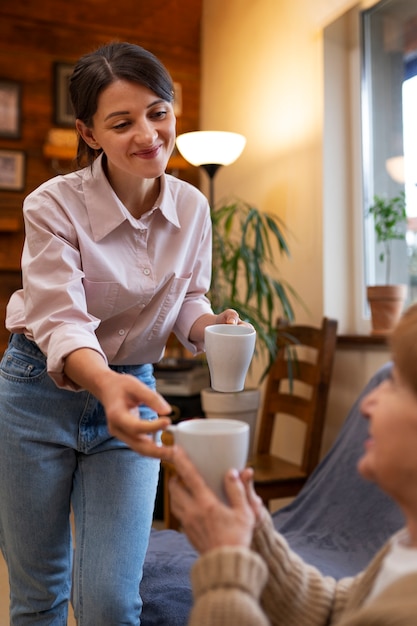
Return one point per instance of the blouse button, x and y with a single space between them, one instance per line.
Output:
121 332
146 271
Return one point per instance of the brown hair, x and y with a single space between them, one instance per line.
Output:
97 70
403 342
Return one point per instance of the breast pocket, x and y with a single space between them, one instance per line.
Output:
170 307
101 298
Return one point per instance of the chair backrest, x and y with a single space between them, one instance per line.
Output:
298 385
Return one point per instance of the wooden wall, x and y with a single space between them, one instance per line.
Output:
35 35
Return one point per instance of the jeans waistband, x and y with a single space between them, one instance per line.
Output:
20 341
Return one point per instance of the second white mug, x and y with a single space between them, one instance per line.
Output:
229 351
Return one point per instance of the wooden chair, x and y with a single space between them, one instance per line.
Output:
167 471
174 349
306 353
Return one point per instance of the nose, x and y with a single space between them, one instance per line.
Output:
145 133
370 400
366 405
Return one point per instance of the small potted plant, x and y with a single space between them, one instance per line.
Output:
386 301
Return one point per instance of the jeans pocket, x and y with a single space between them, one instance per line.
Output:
21 367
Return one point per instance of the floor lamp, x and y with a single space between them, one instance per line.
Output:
210 149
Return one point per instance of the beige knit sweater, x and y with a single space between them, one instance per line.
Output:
270 584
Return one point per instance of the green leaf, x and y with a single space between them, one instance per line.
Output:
245 275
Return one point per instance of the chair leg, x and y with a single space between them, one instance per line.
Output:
171 522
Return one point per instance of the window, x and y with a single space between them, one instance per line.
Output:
389 129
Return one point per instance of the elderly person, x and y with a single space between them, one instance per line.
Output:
247 574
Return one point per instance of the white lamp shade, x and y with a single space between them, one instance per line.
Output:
211 147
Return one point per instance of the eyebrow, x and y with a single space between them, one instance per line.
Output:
116 113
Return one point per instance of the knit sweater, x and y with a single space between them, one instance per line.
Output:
270 585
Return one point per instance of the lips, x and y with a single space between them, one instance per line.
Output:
151 153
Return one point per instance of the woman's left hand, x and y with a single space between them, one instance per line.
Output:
208 522
229 316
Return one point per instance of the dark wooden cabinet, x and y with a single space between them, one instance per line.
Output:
11 242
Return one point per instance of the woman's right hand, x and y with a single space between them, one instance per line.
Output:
120 395
120 398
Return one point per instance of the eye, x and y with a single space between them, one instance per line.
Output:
159 114
121 125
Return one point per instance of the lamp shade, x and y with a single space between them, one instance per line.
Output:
210 146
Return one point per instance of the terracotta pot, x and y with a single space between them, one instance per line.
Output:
386 303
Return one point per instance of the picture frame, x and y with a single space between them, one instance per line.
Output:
12 170
63 113
177 99
10 109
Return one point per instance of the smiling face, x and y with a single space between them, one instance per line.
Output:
390 457
135 128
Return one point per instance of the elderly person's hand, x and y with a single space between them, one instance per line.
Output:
208 522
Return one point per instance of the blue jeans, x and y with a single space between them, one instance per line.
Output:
55 451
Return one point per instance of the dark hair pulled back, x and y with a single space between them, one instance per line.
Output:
97 70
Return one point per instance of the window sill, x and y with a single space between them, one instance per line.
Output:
355 341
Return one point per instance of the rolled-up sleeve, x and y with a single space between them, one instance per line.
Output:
55 306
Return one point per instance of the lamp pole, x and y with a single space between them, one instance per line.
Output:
210 149
211 169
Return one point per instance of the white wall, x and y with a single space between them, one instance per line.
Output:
263 76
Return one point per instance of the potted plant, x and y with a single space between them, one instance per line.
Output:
386 301
245 278
244 272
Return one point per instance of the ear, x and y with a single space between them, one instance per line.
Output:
87 134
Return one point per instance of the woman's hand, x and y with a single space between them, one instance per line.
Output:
229 316
120 398
208 522
120 395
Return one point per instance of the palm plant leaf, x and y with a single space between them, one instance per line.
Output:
245 275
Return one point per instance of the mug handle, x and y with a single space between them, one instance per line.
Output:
167 436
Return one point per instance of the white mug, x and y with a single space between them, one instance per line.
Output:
214 446
229 351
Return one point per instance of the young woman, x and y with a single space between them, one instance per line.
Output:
248 575
117 256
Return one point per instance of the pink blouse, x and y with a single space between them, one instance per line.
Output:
95 277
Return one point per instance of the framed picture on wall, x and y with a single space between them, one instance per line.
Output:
12 170
10 109
177 99
63 114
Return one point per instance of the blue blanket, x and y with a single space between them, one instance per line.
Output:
337 523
